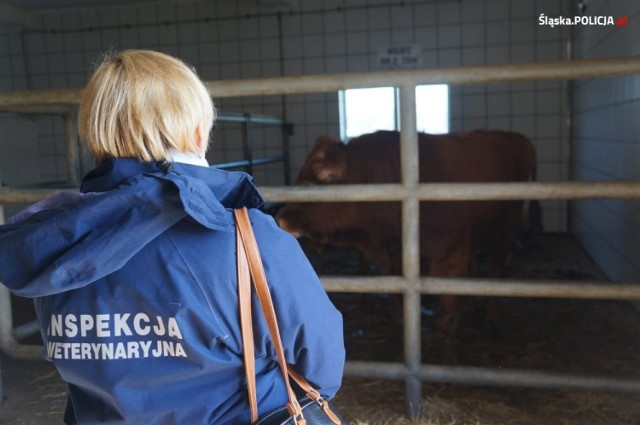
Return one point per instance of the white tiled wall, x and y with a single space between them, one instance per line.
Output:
241 39
606 142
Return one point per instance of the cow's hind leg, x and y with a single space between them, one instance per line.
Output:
449 311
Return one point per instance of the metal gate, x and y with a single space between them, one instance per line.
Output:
410 192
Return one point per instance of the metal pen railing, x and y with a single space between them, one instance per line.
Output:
410 193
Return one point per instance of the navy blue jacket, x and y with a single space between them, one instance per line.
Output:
134 283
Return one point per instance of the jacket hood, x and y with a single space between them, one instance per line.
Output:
73 239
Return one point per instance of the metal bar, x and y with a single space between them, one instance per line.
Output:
486 287
397 192
56 97
286 162
456 191
461 75
86 160
247 136
28 329
560 70
486 376
256 119
409 167
243 163
8 343
73 149
537 289
25 196
8 335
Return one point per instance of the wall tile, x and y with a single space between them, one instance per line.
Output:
250 50
313 45
426 15
269 49
291 25
356 43
497 55
188 33
473 34
313 66
498 32
6 83
448 12
521 30
472 10
356 19
497 10
334 22
403 36
378 18
401 16
229 52
449 36
5 67
312 24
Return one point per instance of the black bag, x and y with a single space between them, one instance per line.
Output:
310 410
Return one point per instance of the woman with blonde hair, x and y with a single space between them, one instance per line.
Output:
134 277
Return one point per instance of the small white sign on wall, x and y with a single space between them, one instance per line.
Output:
400 56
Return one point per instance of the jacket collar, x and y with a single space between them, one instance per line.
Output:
231 189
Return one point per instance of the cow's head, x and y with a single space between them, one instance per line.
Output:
325 164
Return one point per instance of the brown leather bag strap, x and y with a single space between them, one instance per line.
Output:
246 326
245 231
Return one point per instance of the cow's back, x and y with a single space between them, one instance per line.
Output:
374 158
479 156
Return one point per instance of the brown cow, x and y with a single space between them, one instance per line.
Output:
451 232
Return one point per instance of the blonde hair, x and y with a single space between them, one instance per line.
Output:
141 103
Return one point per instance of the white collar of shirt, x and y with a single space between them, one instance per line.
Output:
187 158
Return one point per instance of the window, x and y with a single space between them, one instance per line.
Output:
432 108
368 110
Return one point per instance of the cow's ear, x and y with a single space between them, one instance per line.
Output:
324 145
329 160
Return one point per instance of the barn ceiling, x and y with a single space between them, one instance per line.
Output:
42 5
21 12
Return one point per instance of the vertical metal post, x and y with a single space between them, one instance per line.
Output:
287 131
247 131
8 342
73 150
410 248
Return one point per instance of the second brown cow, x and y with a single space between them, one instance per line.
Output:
451 232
